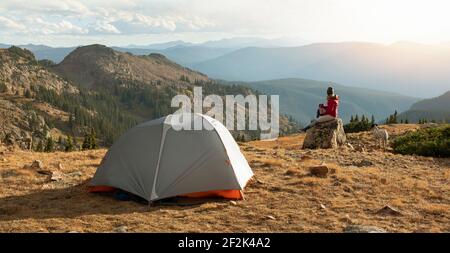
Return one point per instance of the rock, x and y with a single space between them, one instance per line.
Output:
319 170
323 206
60 166
47 187
388 210
56 176
363 163
121 229
234 203
45 172
270 217
350 146
75 174
328 134
363 229
290 172
383 180
37 165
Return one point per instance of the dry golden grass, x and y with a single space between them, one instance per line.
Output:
282 188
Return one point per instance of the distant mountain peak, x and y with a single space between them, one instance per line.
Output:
96 48
157 56
21 52
100 65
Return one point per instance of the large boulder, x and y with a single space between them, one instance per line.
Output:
328 134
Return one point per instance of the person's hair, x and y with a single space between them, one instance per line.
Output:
330 91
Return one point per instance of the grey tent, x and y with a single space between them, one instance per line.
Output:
156 160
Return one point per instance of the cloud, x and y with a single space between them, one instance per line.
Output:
136 23
59 7
10 25
38 26
141 22
103 27
136 17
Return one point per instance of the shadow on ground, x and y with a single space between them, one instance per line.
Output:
76 201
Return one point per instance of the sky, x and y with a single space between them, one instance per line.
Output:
125 22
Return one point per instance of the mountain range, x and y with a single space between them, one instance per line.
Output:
233 43
406 68
185 53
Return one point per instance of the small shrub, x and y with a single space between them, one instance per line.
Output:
433 142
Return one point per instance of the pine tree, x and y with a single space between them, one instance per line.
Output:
352 119
86 142
372 121
40 146
93 139
356 118
75 143
27 93
69 144
71 120
406 121
49 146
90 140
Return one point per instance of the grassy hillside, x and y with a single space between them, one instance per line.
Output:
434 109
282 197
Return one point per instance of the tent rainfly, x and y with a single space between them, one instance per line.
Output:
155 160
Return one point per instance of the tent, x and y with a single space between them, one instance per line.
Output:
156 160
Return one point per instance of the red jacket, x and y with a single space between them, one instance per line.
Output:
332 106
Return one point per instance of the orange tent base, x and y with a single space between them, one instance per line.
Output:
226 194
101 189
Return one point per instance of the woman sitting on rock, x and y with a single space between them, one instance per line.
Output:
326 112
